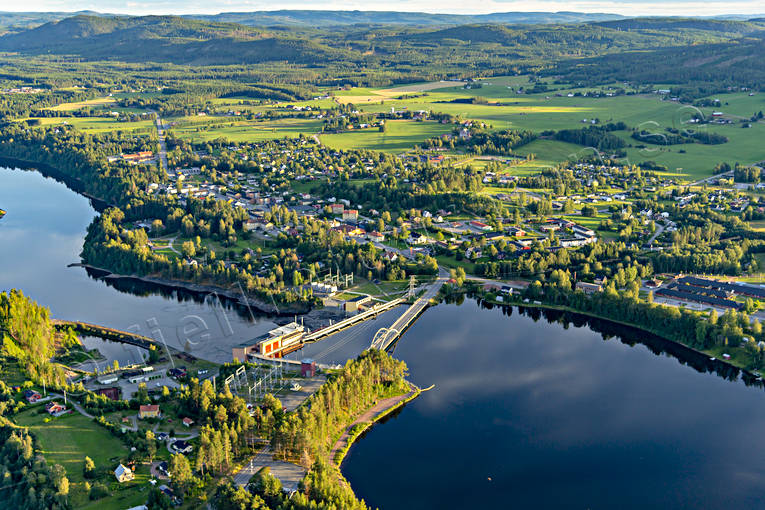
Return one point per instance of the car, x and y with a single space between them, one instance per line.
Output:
202 372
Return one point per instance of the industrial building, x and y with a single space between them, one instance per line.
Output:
275 342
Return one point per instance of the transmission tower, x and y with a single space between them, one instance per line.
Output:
412 284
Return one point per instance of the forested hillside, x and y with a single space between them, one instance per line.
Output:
452 51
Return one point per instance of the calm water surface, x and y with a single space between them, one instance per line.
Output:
526 413
532 414
43 233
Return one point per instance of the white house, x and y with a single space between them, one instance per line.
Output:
123 474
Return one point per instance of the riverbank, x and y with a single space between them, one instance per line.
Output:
237 297
47 170
372 416
562 308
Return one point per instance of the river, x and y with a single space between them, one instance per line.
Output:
535 412
528 411
42 234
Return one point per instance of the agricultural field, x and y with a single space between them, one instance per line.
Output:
97 124
506 109
401 136
97 102
248 131
68 439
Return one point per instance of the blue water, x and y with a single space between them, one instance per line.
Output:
43 232
536 414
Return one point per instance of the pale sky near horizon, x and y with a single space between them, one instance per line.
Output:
625 7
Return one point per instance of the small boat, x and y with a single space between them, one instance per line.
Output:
712 359
296 387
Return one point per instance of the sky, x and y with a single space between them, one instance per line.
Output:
625 7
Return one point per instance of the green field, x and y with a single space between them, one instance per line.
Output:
539 112
401 136
97 124
249 131
97 102
68 439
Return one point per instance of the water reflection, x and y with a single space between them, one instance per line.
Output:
42 236
546 409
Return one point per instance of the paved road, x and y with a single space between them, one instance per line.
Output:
659 230
711 178
293 399
162 144
289 474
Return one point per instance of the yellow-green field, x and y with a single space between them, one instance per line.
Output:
401 136
96 124
68 107
252 131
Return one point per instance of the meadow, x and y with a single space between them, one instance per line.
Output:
401 136
68 439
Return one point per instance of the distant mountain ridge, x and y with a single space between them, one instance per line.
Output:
184 40
318 18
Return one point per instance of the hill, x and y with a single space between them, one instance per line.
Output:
164 39
314 18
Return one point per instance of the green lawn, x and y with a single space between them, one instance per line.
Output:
68 439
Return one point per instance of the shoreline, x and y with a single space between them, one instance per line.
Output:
237 298
681 345
349 437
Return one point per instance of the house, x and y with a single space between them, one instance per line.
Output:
32 396
588 288
177 372
149 411
337 208
55 409
187 422
350 215
582 231
416 238
480 226
376 236
162 467
573 242
349 230
473 252
181 446
123 474
515 231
